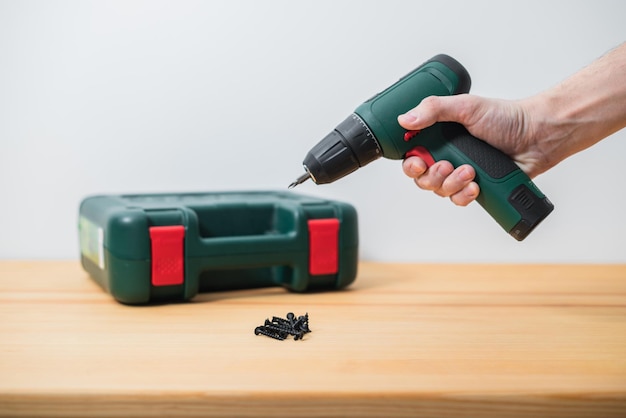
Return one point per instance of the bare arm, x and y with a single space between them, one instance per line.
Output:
538 132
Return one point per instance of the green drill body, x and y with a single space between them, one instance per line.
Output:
506 192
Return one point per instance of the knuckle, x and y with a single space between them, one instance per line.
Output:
424 183
414 167
460 200
428 182
432 103
466 195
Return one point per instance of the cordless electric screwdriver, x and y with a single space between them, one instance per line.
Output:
372 131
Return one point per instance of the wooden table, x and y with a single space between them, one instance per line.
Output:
404 340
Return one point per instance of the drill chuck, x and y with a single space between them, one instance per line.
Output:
349 146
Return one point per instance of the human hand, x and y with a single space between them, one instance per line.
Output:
537 133
503 124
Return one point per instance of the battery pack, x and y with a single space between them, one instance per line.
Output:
146 248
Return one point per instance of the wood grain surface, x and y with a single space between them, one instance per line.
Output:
404 340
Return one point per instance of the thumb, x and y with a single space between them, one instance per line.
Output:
437 109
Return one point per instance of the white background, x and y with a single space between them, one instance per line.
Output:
152 96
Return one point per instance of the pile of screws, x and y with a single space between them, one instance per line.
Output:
281 328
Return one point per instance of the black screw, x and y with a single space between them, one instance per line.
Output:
280 328
302 324
283 326
277 335
281 321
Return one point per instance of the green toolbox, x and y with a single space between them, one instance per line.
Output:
147 248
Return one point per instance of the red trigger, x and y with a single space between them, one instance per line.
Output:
422 152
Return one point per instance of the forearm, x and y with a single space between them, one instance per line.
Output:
583 109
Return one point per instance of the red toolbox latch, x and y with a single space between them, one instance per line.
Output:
167 255
323 246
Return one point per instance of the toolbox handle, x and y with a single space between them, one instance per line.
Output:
246 238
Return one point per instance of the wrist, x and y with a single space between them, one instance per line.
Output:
547 131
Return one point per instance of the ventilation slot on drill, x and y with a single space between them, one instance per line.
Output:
522 198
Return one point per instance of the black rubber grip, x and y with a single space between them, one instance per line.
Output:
493 161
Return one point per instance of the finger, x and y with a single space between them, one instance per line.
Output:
467 195
414 167
433 109
434 177
457 181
